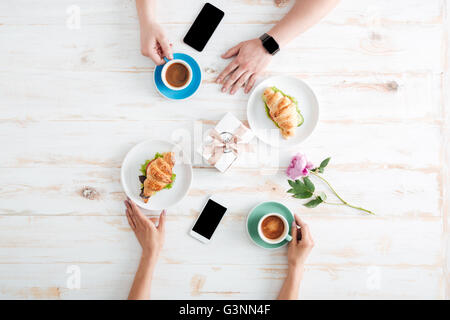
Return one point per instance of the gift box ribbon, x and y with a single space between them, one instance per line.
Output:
220 145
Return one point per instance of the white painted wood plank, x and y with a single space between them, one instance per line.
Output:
383 12
105 144
112 281
446 150
341 241
325 48
132 96
372 282
58 191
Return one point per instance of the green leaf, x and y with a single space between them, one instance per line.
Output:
144 167
313 203
322 196
303 195
169 186
309 185
300 189
297 185
323 164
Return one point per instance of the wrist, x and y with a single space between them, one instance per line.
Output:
149 257
276 36
262 49
296 268
146 11
147 23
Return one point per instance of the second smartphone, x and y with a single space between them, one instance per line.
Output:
208 220
203 27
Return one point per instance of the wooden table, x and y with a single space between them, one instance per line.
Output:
74 101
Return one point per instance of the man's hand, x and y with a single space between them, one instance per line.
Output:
301 244
154 43
250 61
149 236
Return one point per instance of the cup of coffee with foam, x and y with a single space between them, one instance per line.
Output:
176 74
274 228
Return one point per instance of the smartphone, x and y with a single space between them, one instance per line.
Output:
208 220
203 27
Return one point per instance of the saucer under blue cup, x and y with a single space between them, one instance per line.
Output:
257 213
186 92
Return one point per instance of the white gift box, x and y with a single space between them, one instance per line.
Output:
225 142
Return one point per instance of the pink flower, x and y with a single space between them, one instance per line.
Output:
299 167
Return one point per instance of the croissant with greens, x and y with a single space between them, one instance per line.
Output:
158 175
283 111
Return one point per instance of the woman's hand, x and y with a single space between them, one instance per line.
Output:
299 249
301 244
148 234
154 43
251 59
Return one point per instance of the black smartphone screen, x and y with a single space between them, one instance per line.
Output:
209 219
203 27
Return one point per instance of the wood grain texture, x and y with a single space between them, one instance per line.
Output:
73 102
446 149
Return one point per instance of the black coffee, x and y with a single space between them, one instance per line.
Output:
177 75
272 227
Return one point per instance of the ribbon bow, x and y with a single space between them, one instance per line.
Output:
222 144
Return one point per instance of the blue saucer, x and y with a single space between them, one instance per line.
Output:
186 92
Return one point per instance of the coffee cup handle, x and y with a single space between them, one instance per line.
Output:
166 60
288 237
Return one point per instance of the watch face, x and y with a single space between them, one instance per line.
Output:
271 45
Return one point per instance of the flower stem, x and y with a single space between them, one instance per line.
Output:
336 204
339 197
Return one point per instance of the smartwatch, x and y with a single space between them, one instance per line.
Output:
269 44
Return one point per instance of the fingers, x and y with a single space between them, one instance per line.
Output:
154 220
130 220
166 48
152 50
152 54
162 221
230 68
299 221
294 232
131 213
232 79
231 52
240 83
304 228
250 83
128 206
138 216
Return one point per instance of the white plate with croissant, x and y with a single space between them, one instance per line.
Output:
156 174
283 111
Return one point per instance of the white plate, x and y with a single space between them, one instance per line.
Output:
130 173
263 126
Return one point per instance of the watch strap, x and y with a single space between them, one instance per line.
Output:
264 37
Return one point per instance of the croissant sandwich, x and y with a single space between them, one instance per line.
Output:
283 110
157 174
